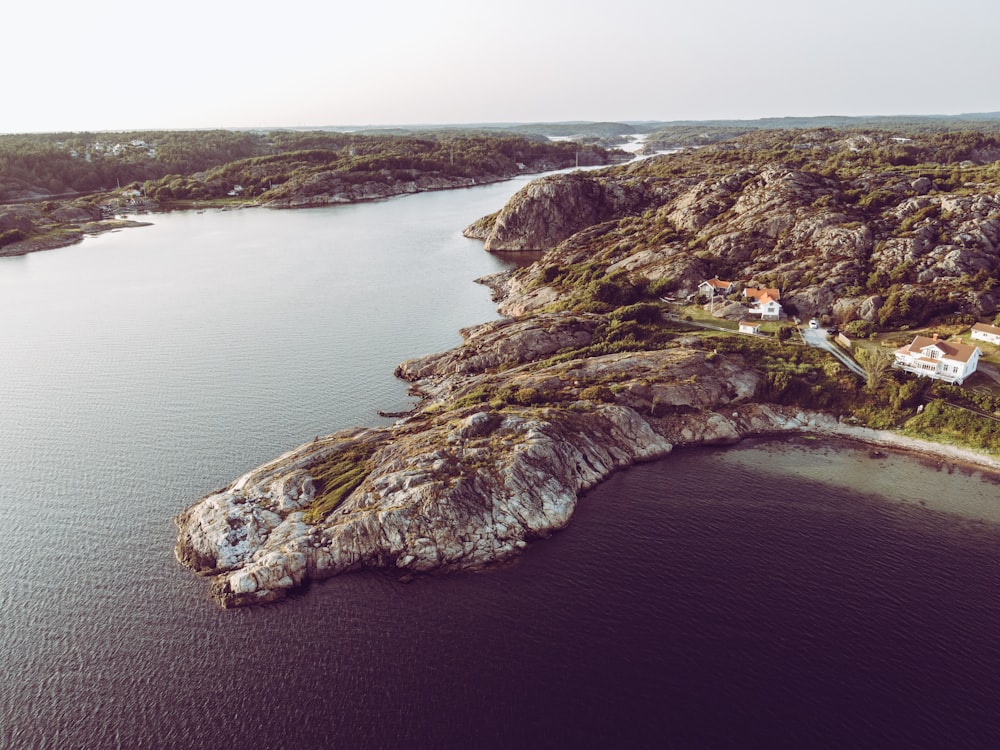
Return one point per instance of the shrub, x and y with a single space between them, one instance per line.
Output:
598 393
641 312
616 291
659 287
859 328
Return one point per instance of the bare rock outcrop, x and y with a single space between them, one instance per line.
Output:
504 343
453 497
820 238
550 209
462 488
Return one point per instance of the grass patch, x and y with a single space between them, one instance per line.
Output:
337 477
699 315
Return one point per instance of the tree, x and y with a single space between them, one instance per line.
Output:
876 363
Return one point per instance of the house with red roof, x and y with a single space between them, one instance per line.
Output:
763 302
942 360
716 286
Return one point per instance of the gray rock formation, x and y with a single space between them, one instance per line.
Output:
465 487
548 210
772 224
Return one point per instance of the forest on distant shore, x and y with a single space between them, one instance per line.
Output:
40 165
204 164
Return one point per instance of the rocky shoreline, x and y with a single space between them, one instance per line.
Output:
464 488
68 235
72 220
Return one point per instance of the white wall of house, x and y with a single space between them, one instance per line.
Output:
769 310
984 335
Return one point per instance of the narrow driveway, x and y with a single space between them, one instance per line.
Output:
817 337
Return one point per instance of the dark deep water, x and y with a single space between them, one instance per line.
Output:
778 594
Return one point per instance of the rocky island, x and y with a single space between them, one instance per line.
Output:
591 371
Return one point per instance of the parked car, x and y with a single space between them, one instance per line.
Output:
832 331
814 323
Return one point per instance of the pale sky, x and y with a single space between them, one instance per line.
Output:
118 65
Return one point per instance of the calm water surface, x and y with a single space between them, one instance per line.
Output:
780 594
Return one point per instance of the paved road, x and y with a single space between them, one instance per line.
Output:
817 337
989 371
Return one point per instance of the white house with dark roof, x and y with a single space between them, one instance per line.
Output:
942 360
987 333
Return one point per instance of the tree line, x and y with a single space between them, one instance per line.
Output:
202 164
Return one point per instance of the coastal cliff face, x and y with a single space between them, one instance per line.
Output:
550 209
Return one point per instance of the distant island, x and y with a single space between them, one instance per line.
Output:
625 342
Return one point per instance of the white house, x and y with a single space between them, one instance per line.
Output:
749 326
764 302
985 332
942 360
716 286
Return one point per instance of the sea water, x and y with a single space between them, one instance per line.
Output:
788 593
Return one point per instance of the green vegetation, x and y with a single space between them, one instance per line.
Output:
795 375
11 236
57 163
587 287
688 134
956 422
338 477
180 169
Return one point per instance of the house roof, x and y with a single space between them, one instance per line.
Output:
749 324
986 328
757 294
949 350
717 283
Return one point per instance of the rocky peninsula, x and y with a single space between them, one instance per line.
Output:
585 375
462 485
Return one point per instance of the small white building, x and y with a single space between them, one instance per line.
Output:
942 360
750 326
987 333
